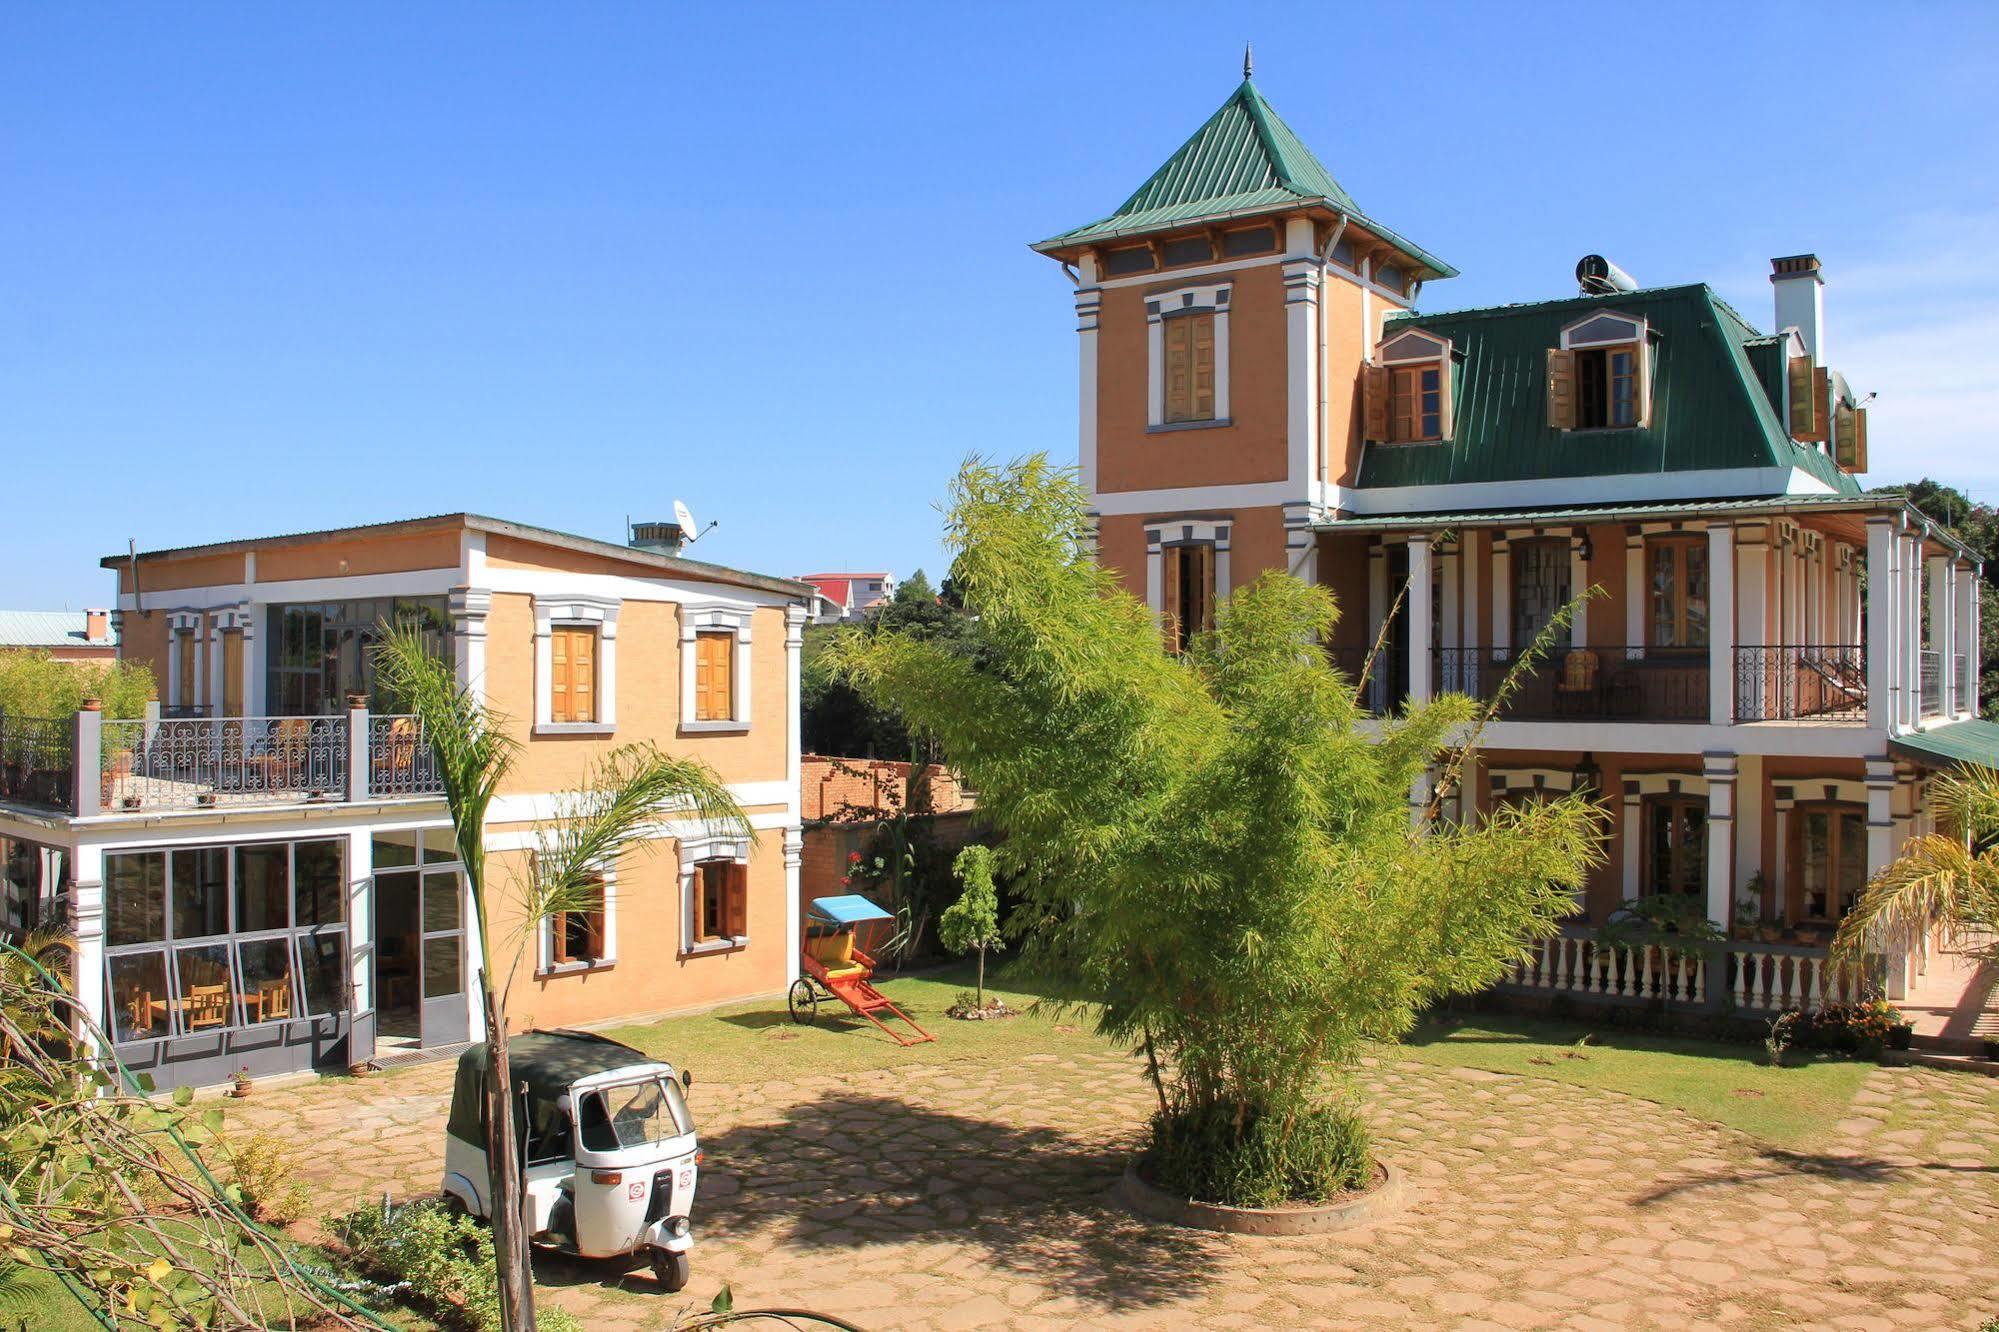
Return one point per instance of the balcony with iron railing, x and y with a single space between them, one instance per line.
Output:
1596 683
1787 682
89 764
1931 680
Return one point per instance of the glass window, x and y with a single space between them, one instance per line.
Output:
632 1116
263 888
441 906
441 967
200 892
138 1007
207 990
1415 403
1675 844
1188 250
393 850
323 969
1134 259
135 898
440 846
317 887
1677 592
578 936
1190 367
266 968
1389 276
1540 586
1253 240
1606 387
323 651
1830 860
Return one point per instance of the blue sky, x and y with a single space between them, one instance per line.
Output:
274 268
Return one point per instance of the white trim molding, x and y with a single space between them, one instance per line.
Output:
1163 305
695 621
600 613
694 849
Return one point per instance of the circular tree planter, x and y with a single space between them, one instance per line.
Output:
1302 1219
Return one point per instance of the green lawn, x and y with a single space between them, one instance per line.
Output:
753 1042
1724 1084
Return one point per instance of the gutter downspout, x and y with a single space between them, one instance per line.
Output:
1325 323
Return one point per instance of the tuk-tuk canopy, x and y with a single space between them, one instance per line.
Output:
852 909
549 1062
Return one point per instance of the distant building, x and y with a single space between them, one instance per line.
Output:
848 596
85 635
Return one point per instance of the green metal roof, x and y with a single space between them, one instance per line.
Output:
1244 160
1630 511
1711 404
1972 743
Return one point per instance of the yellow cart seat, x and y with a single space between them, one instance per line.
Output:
841 973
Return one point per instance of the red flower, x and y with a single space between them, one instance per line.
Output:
846 882
853 857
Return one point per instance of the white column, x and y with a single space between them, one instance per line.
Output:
1722 594
1968 583
1721 774
1155 577
1752 796
794 836
1301 345
1633 832
469 608
1377 592
212 677
86 899
1502 598
1881 849
1469 578
1942 621
1883 592
1419 619
255 704
1780 881
360 863
1634 593
1579 584
1089 302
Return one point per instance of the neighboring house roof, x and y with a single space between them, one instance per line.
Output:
669 563
50 629
1712 398
1243 161
833 589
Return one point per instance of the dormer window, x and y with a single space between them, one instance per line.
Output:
1600 377
1407 393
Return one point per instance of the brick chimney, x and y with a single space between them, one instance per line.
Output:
97 626
1800 300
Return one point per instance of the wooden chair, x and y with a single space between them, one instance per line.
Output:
1577 687
206 1006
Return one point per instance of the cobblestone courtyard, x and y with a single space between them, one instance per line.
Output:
973 1194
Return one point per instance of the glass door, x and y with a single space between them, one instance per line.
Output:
444 1018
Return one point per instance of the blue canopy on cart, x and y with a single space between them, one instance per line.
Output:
849 910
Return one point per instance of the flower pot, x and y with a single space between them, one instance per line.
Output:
1900 1035
1770 934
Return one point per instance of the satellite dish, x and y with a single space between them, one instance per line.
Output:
684 518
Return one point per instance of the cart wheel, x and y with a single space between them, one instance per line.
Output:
804 1000
672 1270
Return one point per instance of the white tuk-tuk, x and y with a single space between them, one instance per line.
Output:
610 1156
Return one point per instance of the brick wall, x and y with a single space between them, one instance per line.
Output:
872 788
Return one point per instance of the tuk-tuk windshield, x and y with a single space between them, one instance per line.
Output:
632 1115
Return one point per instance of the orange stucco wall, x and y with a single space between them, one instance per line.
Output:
651 974
398 552
142 639
172 573
1251 449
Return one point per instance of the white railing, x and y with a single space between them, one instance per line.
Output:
1579 964
1769 978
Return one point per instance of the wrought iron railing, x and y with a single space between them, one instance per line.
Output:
1381 679
401 759
38 760
1932 682
1598 683
195 763
1787 682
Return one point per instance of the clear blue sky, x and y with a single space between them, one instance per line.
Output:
281 267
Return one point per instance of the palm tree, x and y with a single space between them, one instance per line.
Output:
1947 883
617 810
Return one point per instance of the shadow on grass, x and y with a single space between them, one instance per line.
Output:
852 1172
1501 1030
1777 1163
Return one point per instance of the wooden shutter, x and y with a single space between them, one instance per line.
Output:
1169 570
1641 369
1803 419
714 677
1859 440
1203 616
1179 369
1561 389
1203 336
704 678
232 673
737 914
1374 392
185 650
701 884
1843 450
572 684
1444 397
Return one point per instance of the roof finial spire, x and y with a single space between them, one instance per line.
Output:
1248 63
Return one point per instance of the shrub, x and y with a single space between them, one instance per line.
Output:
1847 1028
267 1172
440 1258
1324 1151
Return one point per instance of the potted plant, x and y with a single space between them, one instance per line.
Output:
1901 1034
241 1081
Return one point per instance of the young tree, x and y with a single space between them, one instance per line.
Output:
971 924
1948 883
1219 848
596 825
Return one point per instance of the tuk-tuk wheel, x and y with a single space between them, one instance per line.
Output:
804 1000
671 1270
